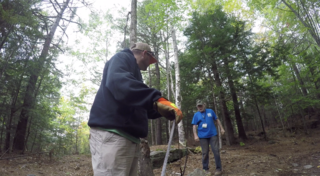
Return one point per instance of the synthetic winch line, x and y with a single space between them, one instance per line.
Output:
163 172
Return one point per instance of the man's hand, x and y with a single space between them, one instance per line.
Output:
168 109
222 131
220 126
196 138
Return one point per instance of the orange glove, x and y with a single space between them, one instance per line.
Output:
168 109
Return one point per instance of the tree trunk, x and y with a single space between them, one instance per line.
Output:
19 139
241 131
151 121
133 25
153 132
1 132
158 121
304 122
28 132
258 110
167 132
145 165
302 86
35 95
316 80
13 108
313 71
168 69
243 115
3 126
34 141
178 97
172 85
40 141
265 121
280 116
216 111
296 71
60 144
158 132
227 121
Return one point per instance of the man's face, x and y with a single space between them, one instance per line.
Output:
201 108
144 61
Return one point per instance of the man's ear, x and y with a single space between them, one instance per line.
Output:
144 52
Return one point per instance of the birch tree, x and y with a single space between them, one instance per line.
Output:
178 97
171 16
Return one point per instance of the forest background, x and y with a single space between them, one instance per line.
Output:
52 58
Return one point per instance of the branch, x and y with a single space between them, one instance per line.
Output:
125 31
161 65
72 22
54 7
283 9
73 12
56 45
302 21
311 21
57 3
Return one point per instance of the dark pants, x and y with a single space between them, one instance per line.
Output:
214 143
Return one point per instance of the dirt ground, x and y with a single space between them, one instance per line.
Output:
289 154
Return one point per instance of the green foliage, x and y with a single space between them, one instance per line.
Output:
198 149
278 68
164 13
242 144
53 121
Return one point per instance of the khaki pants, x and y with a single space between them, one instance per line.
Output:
113 155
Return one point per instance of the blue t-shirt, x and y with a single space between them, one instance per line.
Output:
208 117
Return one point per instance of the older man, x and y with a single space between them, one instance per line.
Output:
120 112
205 131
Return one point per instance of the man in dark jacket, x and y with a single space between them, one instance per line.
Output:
120 112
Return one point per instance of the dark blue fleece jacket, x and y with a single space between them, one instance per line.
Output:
123 101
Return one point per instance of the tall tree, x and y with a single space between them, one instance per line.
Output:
133 26
178 97
19 139
145 166
166 16
209 43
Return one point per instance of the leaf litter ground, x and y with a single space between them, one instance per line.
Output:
292 155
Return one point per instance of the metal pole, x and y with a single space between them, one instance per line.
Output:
163 172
